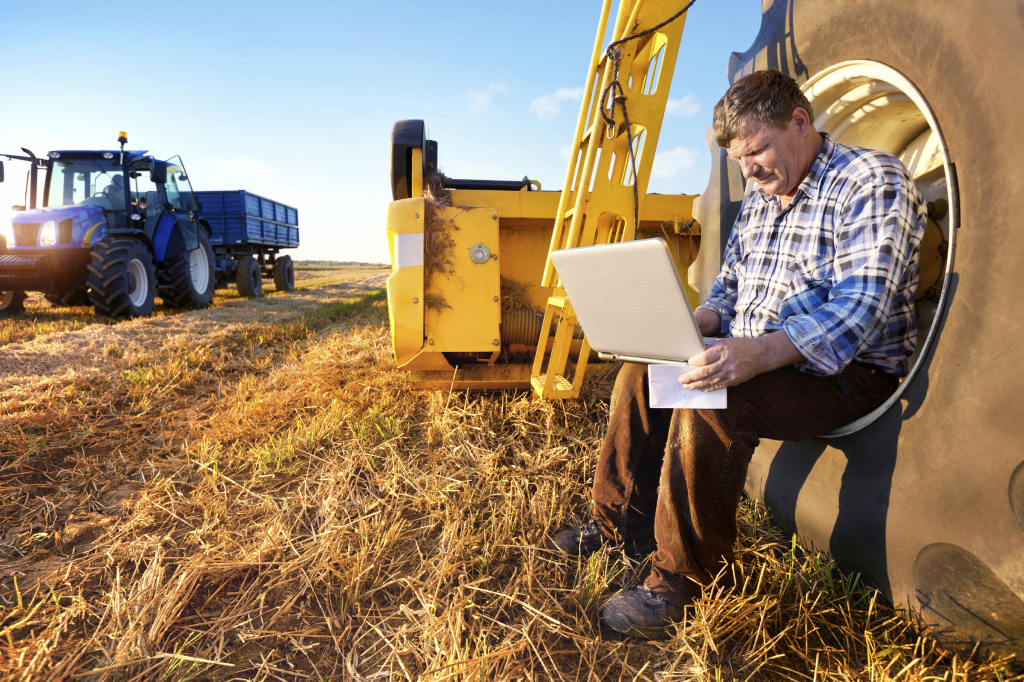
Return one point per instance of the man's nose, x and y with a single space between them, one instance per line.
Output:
749 168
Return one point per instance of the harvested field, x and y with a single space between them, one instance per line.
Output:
40 318
252 492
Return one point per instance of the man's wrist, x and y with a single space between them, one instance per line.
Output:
778 350
708 321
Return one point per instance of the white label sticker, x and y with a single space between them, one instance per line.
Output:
408 250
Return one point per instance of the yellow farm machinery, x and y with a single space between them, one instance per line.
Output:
925 496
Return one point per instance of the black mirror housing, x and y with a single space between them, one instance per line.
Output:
1 171
158 171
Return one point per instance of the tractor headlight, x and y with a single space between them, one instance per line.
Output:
48 235
7 232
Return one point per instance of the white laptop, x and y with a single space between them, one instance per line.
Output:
630 301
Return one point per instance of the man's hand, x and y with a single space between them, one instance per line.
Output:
732 361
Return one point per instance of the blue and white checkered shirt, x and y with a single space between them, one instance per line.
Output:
836 269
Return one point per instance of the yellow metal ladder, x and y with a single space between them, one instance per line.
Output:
597 202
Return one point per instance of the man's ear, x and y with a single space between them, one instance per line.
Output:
802 120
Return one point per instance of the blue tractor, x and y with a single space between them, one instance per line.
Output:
116 229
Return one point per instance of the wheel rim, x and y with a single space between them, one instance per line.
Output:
138 282
5 298
869 104
254 273
199 268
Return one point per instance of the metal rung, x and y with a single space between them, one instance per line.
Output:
557 301
560 383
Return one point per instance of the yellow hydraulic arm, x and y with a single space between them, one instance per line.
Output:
616 135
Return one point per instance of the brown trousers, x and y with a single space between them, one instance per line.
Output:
678 474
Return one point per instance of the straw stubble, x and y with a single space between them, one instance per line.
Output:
296 512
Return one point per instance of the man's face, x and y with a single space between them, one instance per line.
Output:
774 158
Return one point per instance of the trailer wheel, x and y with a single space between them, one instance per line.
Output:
248 277
284 273
69 299
122 279
186 280
12 302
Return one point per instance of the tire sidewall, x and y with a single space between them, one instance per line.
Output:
12 302
141 255
201 299
284 273
248 277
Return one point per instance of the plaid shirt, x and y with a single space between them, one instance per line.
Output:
836 269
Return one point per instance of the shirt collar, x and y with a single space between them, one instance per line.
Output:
811 184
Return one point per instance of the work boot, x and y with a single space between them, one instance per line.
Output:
583 541
578 542
638 612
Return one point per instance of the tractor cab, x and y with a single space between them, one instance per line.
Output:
130 193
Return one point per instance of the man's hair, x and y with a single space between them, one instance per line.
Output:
769 96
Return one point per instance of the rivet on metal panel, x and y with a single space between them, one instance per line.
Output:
496 342
495 299
415 300
494 217
415 215
494 256
430 341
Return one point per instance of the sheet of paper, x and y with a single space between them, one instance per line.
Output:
666 391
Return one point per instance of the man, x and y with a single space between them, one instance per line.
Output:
114 192
816 297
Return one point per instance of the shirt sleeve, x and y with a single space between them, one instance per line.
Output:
722 297
877 243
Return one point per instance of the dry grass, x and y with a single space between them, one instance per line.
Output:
515 295
268 500
41 319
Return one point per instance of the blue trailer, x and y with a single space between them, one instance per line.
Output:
118 228
247 232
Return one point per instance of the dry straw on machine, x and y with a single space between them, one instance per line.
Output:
437 240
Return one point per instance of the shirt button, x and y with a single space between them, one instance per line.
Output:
760 287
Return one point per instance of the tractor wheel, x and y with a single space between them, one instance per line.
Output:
924 497
248 277
69 299
12 302
122 278
186 279
284 273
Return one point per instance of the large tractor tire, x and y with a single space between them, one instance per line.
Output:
12 302
284 273
122 278
925 497
248 277
69 299
186 279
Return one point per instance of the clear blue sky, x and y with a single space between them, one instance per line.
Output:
296 100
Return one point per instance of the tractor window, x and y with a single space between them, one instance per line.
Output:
178 188
143 189
75 186
84 181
